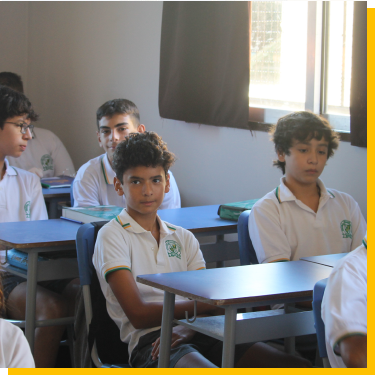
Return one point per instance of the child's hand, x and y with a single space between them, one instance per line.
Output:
180 335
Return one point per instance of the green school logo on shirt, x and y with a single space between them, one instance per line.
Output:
346 229
26 207
47 162
173 249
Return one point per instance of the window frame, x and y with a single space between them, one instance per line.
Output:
261 119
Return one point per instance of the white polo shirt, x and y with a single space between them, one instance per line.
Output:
14 348
124 244
281 227
344 306
21 197
47 153
93 186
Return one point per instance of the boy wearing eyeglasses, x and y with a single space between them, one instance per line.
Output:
46 155
21 199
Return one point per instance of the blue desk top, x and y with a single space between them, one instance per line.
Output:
199 219
328 260
243 284
39 233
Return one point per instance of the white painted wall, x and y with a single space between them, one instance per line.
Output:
84 53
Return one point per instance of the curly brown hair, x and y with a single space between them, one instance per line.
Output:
302 126
141 149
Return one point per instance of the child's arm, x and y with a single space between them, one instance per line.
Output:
143 314
353 351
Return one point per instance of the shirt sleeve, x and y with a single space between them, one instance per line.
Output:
344 305
195 260
111 252
86 190
38 208
16 350
172 199
269 240
61 160
358 224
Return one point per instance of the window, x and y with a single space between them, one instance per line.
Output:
301 55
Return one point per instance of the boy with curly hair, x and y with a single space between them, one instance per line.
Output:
135 243
301 217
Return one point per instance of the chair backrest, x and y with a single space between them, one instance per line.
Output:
318 293
103 333
71 195
247 251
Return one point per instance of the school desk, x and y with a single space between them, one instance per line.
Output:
53 197
204 221
36 238
237 287
328 260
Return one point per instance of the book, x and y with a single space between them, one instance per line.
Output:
56 182
92 213
231 211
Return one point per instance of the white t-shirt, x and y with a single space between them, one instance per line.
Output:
124 244
344 305
93 186
281 227
14 348
47 153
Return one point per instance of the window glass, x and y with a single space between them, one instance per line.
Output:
278 54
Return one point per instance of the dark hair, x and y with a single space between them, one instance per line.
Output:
11 80
141 149
14 103
302 126
118 106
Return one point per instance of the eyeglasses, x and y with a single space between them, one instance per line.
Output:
23 127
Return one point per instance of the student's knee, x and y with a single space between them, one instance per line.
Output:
194 360
50 305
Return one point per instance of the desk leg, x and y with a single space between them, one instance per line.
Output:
220 238
289 342
52 212
32 265
166 329
229 337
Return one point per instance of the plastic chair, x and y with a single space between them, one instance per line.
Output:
103 333
247 251
318 293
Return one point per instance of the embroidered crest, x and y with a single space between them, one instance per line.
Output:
346 229
26 207
47 162
173 249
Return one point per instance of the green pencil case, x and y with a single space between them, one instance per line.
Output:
231 211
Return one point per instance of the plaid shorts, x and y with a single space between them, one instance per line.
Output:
209 347
10 281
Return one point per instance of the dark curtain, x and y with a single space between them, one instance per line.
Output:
358 95
204 63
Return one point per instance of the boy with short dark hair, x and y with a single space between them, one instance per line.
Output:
138 242
21 199
301 217
46 156
93 185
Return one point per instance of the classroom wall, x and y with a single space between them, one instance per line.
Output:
81 54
